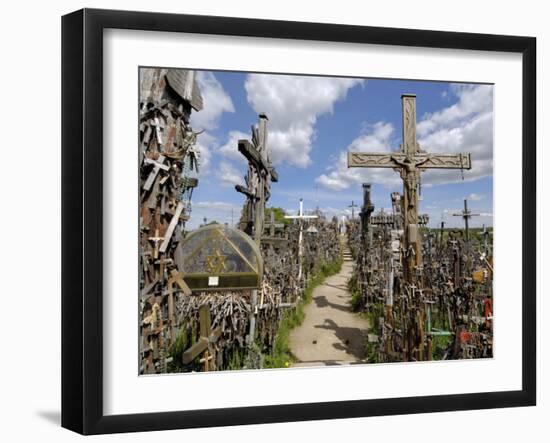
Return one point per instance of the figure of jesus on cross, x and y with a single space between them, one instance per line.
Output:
410 161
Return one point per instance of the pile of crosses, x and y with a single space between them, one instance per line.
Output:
235 328
428 292
168 160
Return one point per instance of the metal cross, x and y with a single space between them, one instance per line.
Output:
466 214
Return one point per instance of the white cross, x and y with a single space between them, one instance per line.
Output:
301 216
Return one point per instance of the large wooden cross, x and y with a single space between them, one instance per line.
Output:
410 161
258 179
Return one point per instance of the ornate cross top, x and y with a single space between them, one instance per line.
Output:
410 153
410 161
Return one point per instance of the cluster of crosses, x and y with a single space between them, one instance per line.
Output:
394 268
283 247
167 156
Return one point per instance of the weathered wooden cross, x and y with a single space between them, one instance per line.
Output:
157 166
260 175
410 161
204 343
271 239
258 182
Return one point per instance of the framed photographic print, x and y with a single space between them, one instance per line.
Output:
271 221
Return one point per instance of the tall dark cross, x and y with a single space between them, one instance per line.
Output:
353 206
258 179
366 210
466 214
410 161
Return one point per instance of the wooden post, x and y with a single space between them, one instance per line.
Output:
204 343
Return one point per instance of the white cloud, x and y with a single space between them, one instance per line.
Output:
475 197
216 101
376 138
330 212
204 144
464 127
293 104
472 100
456 221
228 175
230 149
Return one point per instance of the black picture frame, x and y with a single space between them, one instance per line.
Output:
82 215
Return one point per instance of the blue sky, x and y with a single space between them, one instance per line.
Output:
314 121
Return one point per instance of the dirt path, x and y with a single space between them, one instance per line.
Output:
331 334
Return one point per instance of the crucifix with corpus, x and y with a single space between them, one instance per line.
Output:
410 161
258 179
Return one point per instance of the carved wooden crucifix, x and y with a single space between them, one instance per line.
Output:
410 161
260 175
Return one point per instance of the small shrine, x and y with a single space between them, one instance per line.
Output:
218 257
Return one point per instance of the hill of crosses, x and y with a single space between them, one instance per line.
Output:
266 282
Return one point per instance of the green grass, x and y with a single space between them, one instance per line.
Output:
280 356
373 315
356 299
185 338
440 343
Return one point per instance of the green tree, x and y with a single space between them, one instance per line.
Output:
279 215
